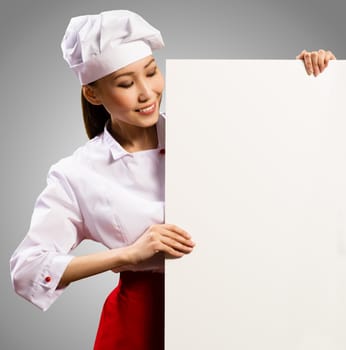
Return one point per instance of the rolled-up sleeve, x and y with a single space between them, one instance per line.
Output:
42 257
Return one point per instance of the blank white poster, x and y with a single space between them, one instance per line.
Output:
256 173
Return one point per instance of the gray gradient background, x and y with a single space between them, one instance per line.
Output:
41 119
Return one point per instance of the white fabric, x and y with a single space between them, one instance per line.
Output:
97 45
102 193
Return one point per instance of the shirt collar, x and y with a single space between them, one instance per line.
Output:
117 151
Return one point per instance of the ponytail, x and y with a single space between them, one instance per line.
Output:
94 116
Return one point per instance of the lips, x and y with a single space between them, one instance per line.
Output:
147 110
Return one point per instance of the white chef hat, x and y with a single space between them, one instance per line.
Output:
97 45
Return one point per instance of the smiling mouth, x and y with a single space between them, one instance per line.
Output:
148 109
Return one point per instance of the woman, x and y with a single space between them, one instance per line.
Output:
111 190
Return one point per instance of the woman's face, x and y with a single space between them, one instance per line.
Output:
132 94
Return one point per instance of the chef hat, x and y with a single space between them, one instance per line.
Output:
97 45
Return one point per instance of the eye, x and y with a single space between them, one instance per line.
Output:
152 72
126 85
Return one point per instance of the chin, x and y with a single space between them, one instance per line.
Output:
149 121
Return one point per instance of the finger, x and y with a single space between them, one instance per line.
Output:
332 56
170 231
181 237
308 63
163 240
322 60
177 237
171 251
177 230
328 57
176 246
170 227
301 55
314 61
169 256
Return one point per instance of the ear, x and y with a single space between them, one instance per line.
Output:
89 92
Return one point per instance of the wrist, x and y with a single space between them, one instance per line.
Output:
128 256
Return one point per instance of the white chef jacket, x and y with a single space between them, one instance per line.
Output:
101 192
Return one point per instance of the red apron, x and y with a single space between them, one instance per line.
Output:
133 314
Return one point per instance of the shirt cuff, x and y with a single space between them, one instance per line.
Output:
45 290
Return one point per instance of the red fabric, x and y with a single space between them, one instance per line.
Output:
133 314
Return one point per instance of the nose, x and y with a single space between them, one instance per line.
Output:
144 92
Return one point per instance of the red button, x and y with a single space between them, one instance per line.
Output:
162 151
48 279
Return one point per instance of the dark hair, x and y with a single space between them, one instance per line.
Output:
94 116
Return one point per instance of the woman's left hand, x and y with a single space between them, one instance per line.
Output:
316 61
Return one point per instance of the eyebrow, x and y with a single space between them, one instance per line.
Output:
131 73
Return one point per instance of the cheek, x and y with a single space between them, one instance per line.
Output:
123 101
159 84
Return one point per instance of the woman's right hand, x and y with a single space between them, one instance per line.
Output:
169 239
316 61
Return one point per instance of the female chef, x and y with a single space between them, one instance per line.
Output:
111 190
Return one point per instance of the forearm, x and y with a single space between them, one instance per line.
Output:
88 265
168 239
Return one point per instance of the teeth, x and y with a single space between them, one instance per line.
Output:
147 109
